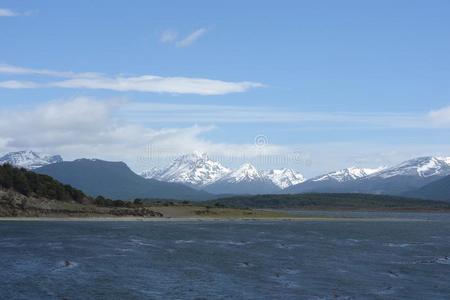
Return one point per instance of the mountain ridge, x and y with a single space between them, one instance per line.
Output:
199 171
116 180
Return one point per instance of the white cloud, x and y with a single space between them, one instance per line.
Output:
144 83
440 117
191 38
157 84
168 36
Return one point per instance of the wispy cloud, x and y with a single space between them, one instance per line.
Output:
206 113
170 36
157 84
14 84
192 38
143 83
16 70
5 12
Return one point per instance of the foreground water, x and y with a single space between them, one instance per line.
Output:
226 260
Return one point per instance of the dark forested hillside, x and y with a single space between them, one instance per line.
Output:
330 201
37 185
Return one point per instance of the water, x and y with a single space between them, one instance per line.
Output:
226 260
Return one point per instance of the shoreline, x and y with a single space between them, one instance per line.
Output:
196 219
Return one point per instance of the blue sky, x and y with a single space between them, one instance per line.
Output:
341 82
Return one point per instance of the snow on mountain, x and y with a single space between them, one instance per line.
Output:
245 173
284 178
348 174
422 167
195 169
29 159
198 170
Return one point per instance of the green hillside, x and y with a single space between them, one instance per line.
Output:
37 185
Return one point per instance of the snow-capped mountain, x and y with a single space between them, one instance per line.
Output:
348 174
337 181
193 169
245 180
397 180
421 167
284 178
29 159
244 173
199 171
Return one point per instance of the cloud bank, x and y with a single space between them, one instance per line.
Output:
85 127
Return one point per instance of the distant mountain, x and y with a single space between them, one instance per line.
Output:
436 190
192 169
199 171
29 159
283 178
337 181
406 176
427 166
245 180
348 174
397 180
115 180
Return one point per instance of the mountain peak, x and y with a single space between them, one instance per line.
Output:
284 178
29 159
192 169
246 172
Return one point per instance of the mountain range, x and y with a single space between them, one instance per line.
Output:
400 179
199 171
197 176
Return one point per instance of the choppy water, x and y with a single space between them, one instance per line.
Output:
226 260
